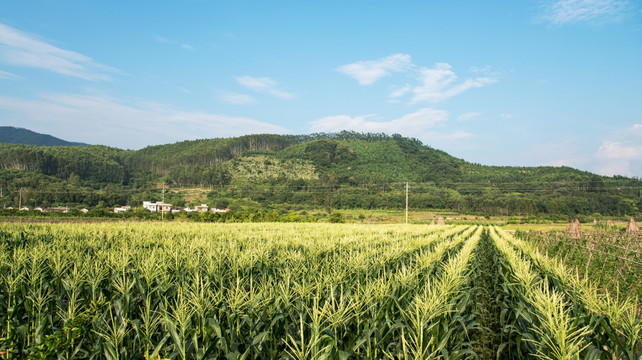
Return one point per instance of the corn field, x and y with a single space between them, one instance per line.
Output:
298 291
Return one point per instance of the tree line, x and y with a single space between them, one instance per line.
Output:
351 170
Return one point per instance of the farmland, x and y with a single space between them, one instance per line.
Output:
301 291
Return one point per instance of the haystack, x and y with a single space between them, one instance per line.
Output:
610 223
574 228
432 222
632 227
594 221
440 221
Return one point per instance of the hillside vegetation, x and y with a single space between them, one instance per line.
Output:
14 135
333 171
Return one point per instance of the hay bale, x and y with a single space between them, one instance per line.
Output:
632 227
440 221
574 228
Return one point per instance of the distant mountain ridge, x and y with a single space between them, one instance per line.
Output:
16 135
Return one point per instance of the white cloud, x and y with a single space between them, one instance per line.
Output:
187 47
418 124
410 124
615 158
162 39
8 75
455 137
399 92
368 72
481 70
507 116
562 12
435 84
21 49
469 116
256 84
621 153
127 124
235 98
568 152
263 85
438 84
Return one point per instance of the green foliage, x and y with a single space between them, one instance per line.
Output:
344 170
271 291
14 135
337 217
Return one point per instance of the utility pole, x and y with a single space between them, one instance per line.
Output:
20 201
406 203
163 204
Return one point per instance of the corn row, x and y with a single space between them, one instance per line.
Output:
614 321
193 291
542 323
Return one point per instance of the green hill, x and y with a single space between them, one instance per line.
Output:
332 171
14 135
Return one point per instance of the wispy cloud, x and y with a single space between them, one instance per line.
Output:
401 91
21 49
469 116
8 75
412 123
163 40
234 98
439 83
105 120
419 124
263 85
563 12
621 152
567 152
368 72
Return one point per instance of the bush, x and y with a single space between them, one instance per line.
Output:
337 218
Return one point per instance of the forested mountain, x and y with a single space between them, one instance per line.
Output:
332 171
14 135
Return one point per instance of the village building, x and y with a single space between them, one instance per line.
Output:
157 206
121 209
202 208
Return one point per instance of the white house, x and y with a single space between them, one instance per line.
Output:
151 206
157 206
121 209
202 208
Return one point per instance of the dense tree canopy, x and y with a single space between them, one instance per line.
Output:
341 170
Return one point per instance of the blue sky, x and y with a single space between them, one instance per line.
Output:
541 82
